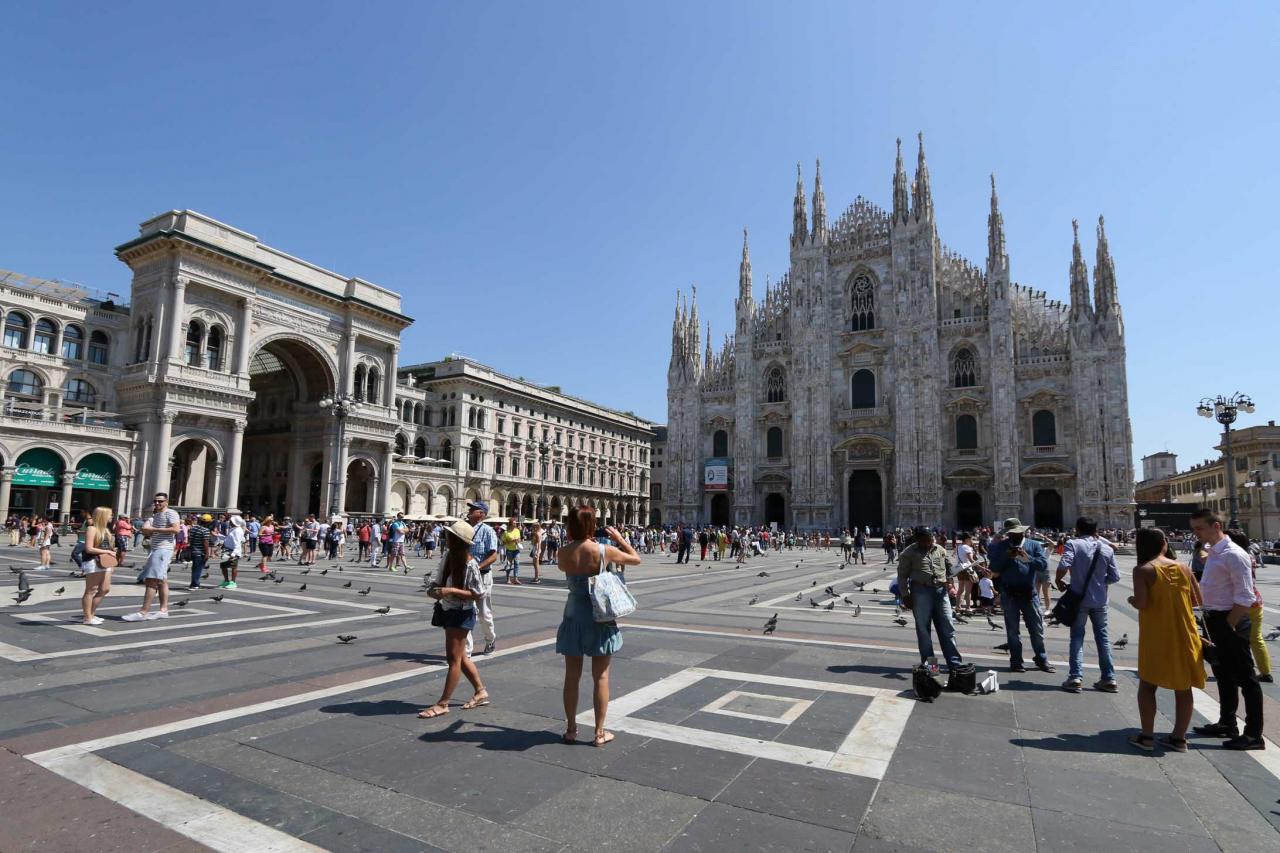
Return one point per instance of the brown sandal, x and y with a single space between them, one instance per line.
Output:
436 710
477 701
570 735
603 737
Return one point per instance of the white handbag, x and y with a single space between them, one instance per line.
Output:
610 598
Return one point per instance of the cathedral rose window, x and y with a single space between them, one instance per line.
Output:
864 303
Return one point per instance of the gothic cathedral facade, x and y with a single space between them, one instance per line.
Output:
885 381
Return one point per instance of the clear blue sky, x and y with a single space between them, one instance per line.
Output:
538 179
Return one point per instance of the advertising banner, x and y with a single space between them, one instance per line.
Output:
716 478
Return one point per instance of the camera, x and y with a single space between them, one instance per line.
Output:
601 533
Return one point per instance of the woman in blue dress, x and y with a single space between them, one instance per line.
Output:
579 634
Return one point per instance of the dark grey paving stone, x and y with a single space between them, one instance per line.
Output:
1058 831
691 770
639 818
392 762
740 726
349 835
661 712
980 760
1101 753
868 844
720 827
995 710
834 712
1101 796
835 800
500 787
326 739
929 819
699 694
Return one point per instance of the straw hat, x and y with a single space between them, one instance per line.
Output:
463 531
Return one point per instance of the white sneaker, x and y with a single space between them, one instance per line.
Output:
157 614
97 620
137 617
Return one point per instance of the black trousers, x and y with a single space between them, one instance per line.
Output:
682 556
1234 671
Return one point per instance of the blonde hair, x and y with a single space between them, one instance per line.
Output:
101 519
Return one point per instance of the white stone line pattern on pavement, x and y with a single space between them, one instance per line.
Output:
1208 707
212 825
798 707
178 619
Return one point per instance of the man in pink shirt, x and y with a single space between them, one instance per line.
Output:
1227 590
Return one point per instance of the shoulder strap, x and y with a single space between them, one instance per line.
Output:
1093 564
600 570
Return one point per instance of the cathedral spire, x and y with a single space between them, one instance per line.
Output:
1080 306
922 203
800 219
744 270
901 202
1105 297
706 361
997 257
819 207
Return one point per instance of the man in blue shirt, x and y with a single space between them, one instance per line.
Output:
484 550
1092 564
1015 560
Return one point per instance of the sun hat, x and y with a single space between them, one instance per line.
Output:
463 531
1013 525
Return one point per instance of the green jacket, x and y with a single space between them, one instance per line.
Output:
923 569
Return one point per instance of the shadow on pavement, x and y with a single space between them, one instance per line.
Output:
491 737
381 708
894 673
1110 741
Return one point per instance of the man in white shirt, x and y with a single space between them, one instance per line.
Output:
1227 591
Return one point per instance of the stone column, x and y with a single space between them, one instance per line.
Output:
231 492
160 454
384 495
327 484
241 365
299 481
6 489
348 364
123 489
213 499
177 300
64 502
344 450
389 391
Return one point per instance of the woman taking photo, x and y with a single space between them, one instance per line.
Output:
579 634
99 557
456 589
1164 592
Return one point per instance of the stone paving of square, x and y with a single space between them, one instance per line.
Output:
244 725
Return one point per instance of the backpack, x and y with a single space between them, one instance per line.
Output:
963 679
926 687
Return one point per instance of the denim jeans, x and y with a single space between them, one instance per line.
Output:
931 606
513 564
1101 639
1028 608
198 562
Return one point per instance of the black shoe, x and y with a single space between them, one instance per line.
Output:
1217 730
1017 667
1267 679
1243 742
1045 666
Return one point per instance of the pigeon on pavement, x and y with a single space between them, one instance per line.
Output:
857 610
754 599
217 598
24 585
60 590
305 572
346 638
763 575
1121 643
347 585
771 624
798 596
182 603
301 588
861 585
831 605
22 596
365 591
1273 635
812 603
847 601
992 623
280 579
383 610
829 591
900 620
325 572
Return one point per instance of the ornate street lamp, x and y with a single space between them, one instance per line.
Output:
340 406
543 450
1224 410
1258 483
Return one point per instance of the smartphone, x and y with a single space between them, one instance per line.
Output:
602 533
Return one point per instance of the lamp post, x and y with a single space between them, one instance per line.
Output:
543 450
340 406
1224 411
1258 483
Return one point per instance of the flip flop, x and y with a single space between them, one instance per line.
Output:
433 711
603 738
476 702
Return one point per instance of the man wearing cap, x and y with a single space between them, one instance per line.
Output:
924 574
1015 561
484 550
198 542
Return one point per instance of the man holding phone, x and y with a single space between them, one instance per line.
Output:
924 578
1015 562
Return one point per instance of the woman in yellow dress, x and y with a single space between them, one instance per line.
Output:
1169 647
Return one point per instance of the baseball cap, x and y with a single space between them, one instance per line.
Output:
480 505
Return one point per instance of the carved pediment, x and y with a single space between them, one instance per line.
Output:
773 416
1047 469
773 477
1043 397
965 403
862 352
976 473
719 422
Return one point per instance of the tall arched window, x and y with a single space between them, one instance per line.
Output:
773 442
371 394
720 443
471 416
864 303
213 347
453 418
966 432
137 341
473 456
45 336
402 444
99 344
775 384
195 340
1044 429
26 385
16 327
73 342
420 448
964 369
863 390
417 413
359 381
78 392
425 420
146 340
446 451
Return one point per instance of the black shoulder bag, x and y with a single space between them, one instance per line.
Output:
1068 606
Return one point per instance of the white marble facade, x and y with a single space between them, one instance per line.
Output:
886 381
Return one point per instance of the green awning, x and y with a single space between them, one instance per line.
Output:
96 472
38 467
